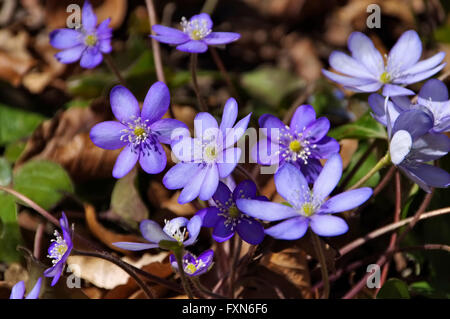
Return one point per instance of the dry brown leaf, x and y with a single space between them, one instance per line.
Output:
105 274
177 208
105 235
348 149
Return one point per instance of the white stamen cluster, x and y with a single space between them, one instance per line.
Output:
139 135
309 205
191 268
286 139
197 29
233 216
58 249
174 231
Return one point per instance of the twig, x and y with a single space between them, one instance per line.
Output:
201 103
204 290
388 228
38 241
218 61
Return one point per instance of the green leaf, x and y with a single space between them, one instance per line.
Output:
370 162
9 229
364 128
14 150
126 201
270 84
5 172
394 289
16 124
42 181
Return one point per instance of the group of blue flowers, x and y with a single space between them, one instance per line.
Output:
415 132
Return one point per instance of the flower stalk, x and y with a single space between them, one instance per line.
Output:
323 264
384 161
201 102
178 253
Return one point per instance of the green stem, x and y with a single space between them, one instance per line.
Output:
201 102
323 265
179 257
384 161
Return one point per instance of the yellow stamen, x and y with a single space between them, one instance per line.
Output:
295 146
308 209
385 77
90 40
233 211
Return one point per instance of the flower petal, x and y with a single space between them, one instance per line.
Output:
324 148
430 147
65 38
211 216
426 64
347 200
416 122
304 115
135 246
364 52
169 35
250 231
169 130
328 225
291 229
265 152
400 146
222 232
218 38
265 210
193 227
396 90
123 104
203 19
317 129
90 58
205 125
230 113
245 189
70 55
179 175
125 161
417 77
347 65
192 189
405 53
18 290
107 135
88 17
210 183
435 90
105 46
223 195
153 161
328 178
346 80
235 133
193 46
228 160
426 175
34 293
291 184
156 102
152 231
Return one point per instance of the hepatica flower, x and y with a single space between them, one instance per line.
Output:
301 144
196 34
18 291
227 219
140 133
366 71
179 230
207 157
194 266
306 207
87 44
59 250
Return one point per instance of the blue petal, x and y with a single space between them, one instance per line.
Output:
211 217
34 293
70 55
348 81
416 122
202 18
222 232
328 178
65 38
291 184
205 125
235 133
107 135
169 35
395 90
88 17
18 290
405 53
304 115
364 52
210 183
328 225
426 64
347 200
245 189
230 112
426 175
179 175
250 231
347 65
265 210
156 102
125 161
134 246
324 148
435 90
223 196
90 58
317 129
291 229
218 38
193 227
193 46
228 161
169 130
430 147
153 161
192 189
123 104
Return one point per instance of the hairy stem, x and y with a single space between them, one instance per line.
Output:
384 161
179 257
323 264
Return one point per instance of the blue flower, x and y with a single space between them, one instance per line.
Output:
196 35
207 157
306 207
86 44
59 250
366 71
18 291
139 132
194 266
302 144
411 145
225 217
179 230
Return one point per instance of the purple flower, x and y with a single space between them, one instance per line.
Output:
194 266
432 98
412 145
179 230
86 44
139 132
227 219
302 144
306 207
59 250
196 34
18 291
207 157
366 71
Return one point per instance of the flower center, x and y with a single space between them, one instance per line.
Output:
90 40
308 209
139 135
139 131
385 77
58 248
295 146
196 29
190 268
210 153
175 231
233 211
